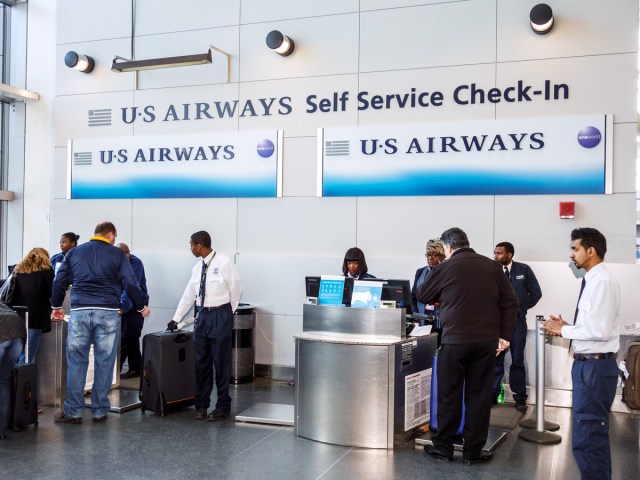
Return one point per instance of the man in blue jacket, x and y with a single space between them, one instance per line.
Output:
527 289
99 273
132 320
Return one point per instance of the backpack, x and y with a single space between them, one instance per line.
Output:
631 388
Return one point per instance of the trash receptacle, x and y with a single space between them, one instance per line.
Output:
242 351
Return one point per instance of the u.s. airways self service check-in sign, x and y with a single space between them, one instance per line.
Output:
246 164
555 155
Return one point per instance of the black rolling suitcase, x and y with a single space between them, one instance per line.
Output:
168 379
24 394
24 389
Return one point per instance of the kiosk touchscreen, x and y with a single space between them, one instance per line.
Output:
329 289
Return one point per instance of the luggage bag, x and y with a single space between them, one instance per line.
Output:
168 379
23 409
24 395
631 388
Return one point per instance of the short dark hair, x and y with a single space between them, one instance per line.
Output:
201 238
105 227
455 238
72 237
355 253
508 247
590 237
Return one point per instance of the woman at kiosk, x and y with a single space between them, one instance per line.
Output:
435 254
354 264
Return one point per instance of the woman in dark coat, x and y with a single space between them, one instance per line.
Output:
34 279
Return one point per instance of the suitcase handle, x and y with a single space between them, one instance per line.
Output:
181 337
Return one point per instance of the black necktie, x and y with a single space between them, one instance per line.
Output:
506 272
203 282
575 317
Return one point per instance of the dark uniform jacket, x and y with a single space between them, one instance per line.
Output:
526 286
477 303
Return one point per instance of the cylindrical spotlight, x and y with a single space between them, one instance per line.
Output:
280 43
541 17
82 63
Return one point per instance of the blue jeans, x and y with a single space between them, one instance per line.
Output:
9 353
33 341
594 388
102 328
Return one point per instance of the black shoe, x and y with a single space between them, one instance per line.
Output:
129 374
218 414
201 414
435 453
483 458
61 417
101 419
521 406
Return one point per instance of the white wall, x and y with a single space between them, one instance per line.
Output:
342 45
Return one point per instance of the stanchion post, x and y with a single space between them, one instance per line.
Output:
541 434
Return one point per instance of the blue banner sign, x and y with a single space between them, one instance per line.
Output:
246 164
527 156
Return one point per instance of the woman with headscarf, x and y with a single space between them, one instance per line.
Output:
434 254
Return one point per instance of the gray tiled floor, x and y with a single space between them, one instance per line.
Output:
135 445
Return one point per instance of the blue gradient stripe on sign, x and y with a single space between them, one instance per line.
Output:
468 183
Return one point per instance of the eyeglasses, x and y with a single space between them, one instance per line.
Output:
432 255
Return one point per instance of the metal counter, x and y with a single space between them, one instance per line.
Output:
359 381
52 365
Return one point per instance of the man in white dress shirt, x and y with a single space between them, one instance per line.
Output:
595 335
215 288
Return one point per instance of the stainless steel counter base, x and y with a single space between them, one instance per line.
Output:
52 365
354 394
268 413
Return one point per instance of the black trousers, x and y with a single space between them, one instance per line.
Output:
212 344
132 323
517 373
470 366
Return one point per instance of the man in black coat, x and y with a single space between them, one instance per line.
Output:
478 310
526 286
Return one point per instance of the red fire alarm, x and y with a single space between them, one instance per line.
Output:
567 210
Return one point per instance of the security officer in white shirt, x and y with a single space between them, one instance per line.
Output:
595 335
215 288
